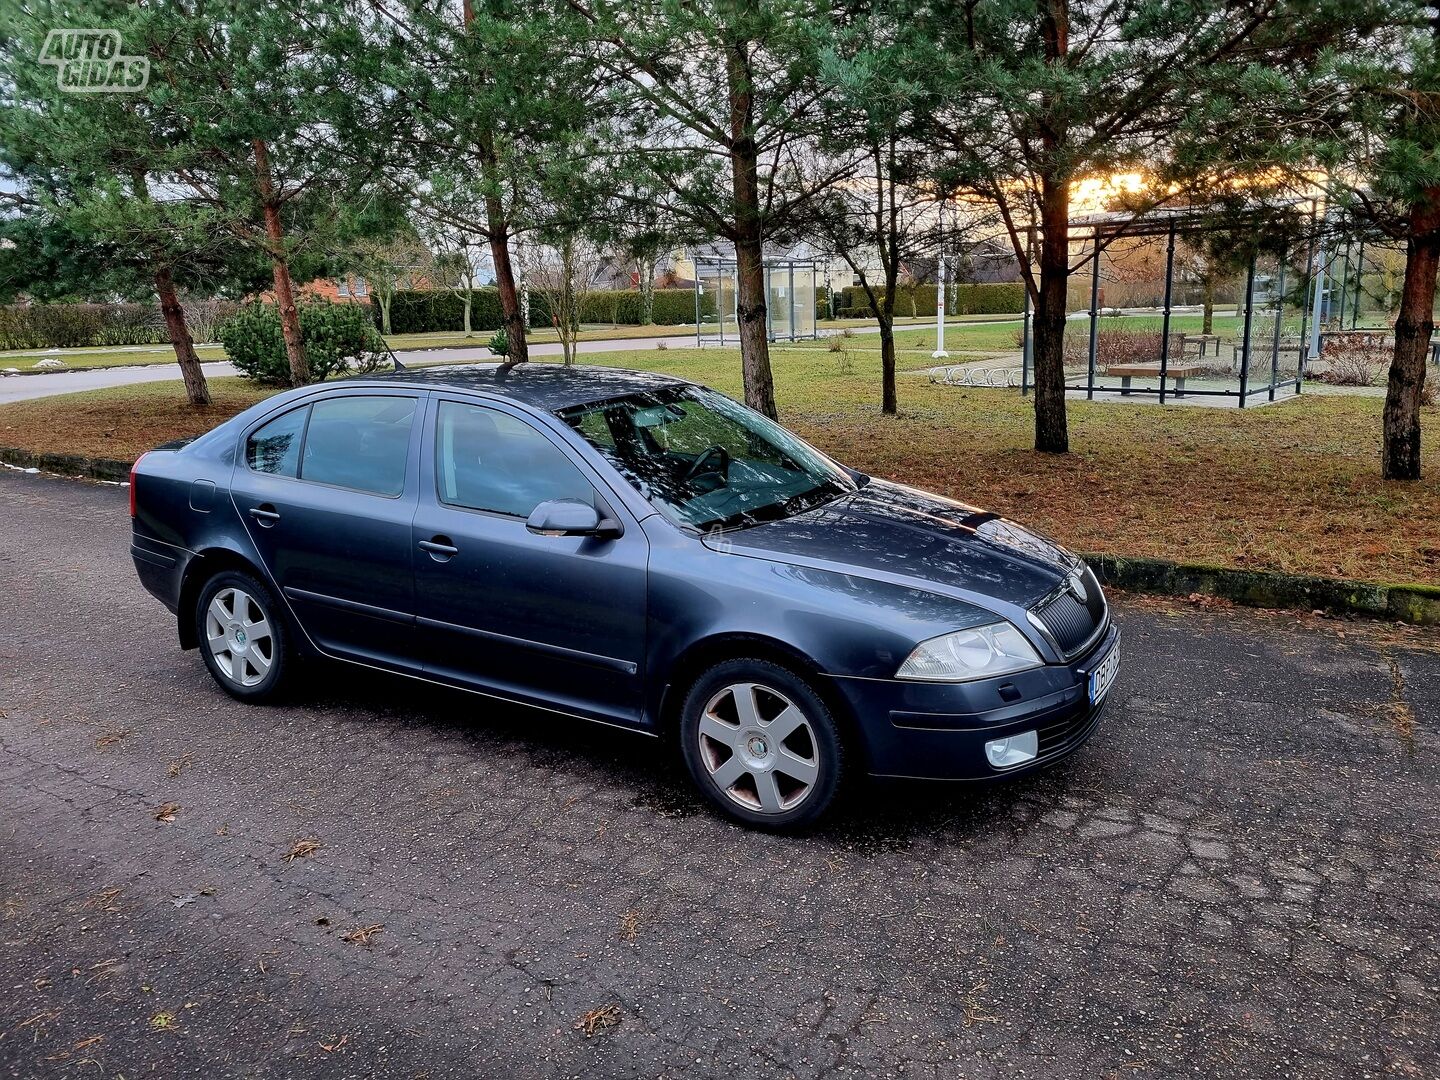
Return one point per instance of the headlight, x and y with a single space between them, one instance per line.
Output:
997 649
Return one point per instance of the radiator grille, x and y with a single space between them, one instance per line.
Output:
1068 620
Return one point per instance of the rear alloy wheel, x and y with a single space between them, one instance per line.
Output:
241 636
761 744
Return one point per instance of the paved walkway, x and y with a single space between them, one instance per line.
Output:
1237 877
24 387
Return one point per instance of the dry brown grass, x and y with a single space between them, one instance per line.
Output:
1292 487
119 423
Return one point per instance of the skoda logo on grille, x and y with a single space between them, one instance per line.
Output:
1077 586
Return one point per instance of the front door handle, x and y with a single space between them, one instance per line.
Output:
440 548
264 514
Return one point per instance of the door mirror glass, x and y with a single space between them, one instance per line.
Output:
564 517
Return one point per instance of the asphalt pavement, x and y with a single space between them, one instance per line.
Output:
1238 877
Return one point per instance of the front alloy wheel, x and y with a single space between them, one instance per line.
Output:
761 744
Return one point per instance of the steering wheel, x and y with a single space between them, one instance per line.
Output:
702 464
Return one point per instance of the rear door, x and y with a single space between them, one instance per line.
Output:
327 492
554 620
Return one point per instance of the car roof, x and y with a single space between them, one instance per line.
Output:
551 387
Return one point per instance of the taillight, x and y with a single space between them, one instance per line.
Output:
132 483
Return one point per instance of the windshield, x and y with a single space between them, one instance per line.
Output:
706 461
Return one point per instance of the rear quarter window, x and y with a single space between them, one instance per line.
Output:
274 448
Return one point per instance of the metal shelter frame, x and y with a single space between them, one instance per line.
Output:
1254 379
778 272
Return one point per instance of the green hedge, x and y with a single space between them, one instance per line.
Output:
989 298
436 311
68 326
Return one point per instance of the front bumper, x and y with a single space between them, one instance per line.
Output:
938 731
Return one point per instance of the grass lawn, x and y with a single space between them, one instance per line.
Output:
128 356
1290 487
140 355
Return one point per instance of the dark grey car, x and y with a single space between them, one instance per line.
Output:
636 550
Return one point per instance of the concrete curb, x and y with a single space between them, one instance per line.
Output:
1417 604
67 464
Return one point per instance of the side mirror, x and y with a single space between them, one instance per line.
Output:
570 517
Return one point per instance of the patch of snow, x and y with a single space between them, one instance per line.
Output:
50 363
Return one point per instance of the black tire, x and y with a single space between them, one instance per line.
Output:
715 702
244 651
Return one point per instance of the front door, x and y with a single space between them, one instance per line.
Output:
327 493
552 620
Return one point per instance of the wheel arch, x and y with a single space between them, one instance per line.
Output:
203 566
704 654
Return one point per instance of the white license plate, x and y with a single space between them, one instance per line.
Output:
1104 675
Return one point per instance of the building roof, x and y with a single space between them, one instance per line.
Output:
551 387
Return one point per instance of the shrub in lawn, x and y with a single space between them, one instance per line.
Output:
338 338
499 343
1116 345
837 344
1353 363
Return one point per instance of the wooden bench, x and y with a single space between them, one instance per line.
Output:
1202 340
1178 372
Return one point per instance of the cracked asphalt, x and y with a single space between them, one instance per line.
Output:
1238 877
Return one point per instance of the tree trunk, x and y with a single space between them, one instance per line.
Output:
195 387
384 300
1413 329
498 228
646 269
280 268
889 404
466 306
1051 433
1207 301
749 235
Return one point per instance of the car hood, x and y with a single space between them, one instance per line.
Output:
910 537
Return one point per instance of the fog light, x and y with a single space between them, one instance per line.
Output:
1014 750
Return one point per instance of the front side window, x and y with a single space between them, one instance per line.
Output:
359 442
275 447
706 461
489 460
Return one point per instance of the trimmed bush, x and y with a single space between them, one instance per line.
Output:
427 311
986 298
338 338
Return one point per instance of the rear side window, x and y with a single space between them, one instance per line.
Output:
361 443
275 448
487 460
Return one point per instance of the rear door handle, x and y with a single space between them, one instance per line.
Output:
440 548
265 515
